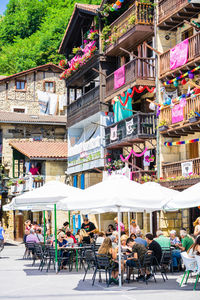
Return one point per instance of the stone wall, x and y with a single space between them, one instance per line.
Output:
10 98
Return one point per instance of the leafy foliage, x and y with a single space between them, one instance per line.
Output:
31 32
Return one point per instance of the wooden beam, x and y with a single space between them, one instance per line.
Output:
191 24
153 49
99 72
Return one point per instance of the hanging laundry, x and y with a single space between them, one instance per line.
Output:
52 103
43 100
119 77
122 108
152 106
61 98
179 55
113 133
129 127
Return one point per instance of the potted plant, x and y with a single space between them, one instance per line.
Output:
77 51
192 117
38 179
163 125
21 185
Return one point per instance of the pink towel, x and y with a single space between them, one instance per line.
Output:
177 113
119 77
179 55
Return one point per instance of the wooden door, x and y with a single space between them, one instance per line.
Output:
193 150
19 227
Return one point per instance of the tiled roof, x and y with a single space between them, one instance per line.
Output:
18 118
41 149
86 8
42 67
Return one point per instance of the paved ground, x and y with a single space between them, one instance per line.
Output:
19 280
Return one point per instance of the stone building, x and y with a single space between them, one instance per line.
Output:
19 92
25 140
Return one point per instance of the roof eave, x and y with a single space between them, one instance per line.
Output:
34 123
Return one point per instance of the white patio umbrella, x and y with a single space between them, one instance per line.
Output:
118 194
43 198
186 199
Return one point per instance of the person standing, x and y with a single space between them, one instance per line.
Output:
88 226
2 234
196 225
134 228
121 225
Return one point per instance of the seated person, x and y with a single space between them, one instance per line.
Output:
65 227
31 237
138 253
162 240
138 238
69 238
100 238
186 241
49 236
62 242
124 247
84 237
70 235
174 240
110 230
195 248
39 235
154 248
106 248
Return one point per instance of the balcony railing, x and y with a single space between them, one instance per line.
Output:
174 169
86 99
144 126
192 104
29 183
137 14
136 69
167 8
194 52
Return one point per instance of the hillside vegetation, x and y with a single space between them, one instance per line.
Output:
31 32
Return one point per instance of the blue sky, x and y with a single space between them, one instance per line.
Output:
3 5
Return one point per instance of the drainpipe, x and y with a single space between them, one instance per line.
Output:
157 86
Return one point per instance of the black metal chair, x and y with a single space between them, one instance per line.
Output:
31 250
147 264
89 261
39 254
165 263
103 264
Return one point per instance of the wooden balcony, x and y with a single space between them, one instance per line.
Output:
172 12
83 107
193 57
125 33
144 127
172 172
184 127
139 71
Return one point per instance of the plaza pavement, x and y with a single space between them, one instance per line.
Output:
19 280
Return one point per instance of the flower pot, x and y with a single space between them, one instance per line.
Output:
163 128
20 187
193 119
13 189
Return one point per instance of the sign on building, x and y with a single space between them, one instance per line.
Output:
187 168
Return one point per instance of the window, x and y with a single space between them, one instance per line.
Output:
49 86
20 85
19 110
187 33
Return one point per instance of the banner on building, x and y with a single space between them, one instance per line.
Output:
179 55
187 168
113 133
119 77
129 127
177 113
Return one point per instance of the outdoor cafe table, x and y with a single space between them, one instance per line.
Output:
74 248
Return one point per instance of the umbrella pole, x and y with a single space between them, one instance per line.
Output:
151 222
69 219
99 222
56 245
129 224
119 247
44 222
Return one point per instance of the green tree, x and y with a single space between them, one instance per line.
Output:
31 32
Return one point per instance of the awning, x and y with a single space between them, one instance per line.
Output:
41 149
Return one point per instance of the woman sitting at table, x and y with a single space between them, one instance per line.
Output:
62 242
174 240
123 240
69 238
106 249
84 237
195 249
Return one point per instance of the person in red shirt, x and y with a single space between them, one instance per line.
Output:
34 170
